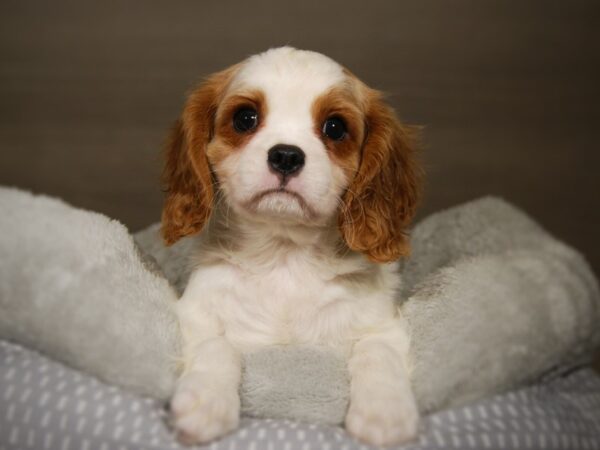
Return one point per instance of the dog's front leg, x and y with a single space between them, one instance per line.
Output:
206 403
382 407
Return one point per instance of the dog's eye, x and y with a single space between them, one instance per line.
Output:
334 128
245 119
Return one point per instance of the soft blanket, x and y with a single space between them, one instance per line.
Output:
493 302
53 407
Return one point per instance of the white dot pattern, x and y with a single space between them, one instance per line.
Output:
47 406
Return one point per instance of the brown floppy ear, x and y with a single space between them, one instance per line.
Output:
381 200
187 175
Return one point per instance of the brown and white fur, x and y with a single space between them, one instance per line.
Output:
301 258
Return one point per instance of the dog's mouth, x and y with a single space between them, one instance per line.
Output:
284 202
280 191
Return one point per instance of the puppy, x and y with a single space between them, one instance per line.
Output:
303 182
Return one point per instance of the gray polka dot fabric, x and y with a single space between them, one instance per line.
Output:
45 405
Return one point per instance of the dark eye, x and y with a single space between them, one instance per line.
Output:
334 128
245 119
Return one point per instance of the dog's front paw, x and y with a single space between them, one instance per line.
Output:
202 411
382 420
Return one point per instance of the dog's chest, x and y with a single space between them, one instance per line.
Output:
292 302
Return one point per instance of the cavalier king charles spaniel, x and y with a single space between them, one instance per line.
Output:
303 182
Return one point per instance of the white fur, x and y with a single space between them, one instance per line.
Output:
291 80
273 276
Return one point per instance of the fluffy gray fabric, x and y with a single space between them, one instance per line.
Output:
562 414
73 285
493 302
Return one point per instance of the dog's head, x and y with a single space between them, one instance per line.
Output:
291 136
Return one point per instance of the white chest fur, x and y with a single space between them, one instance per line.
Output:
298 297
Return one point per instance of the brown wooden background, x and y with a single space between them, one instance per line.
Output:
509 92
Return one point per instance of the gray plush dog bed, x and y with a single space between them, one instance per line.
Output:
45 405
492 300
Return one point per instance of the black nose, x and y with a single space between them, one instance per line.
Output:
286 159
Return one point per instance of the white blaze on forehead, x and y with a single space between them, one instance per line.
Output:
287 66
291 79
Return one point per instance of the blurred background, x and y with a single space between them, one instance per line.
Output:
508 93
